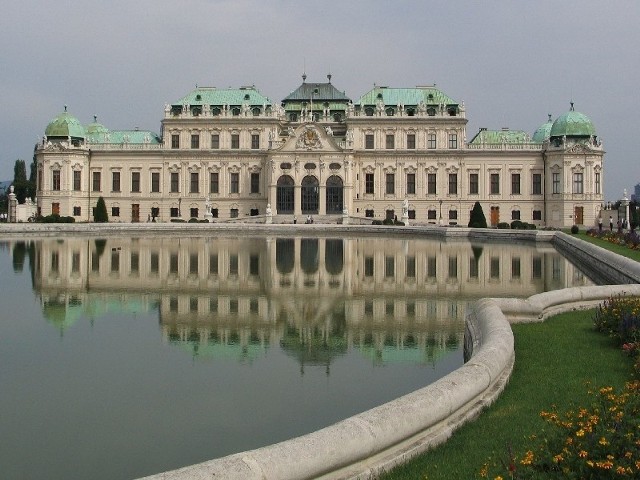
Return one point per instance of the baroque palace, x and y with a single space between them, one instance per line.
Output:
233 155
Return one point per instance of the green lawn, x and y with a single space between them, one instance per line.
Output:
554 362
619 249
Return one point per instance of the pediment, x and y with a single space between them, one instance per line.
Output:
310 137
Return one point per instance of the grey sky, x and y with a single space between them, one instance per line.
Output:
511 62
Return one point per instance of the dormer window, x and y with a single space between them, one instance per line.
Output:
246 96
379 96
431 112
368 112
235 111
198 97
430 97
451 111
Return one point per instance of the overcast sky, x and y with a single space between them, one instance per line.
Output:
511 62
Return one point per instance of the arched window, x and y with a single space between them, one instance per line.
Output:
284 194
310 195
335 199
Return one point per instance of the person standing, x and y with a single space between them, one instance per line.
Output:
610 223
600 224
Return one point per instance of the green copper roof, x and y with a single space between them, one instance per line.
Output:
318 91
572 124
230 96
493 137
543 132
124 136
65 125
407 96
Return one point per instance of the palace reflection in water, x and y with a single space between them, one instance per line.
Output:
314 297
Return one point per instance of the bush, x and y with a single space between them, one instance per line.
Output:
387 221
574 229
193 220
376 222
477 218
503 226
100 213
177 220
531 226
517 225
55 218
398 223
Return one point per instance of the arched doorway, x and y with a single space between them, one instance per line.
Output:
335 202
284 194
310 195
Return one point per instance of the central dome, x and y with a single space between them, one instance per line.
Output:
572 124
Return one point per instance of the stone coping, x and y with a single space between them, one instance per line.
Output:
382 437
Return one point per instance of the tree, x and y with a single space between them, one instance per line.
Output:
477 219
100 213
23 188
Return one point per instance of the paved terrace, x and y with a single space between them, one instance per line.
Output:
380 438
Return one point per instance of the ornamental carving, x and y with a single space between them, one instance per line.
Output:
578 148
309 139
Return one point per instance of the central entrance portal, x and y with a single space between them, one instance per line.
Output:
310 195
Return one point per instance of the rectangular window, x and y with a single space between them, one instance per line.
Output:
173 263
235 183
254 265
255 141
175 141
494 184
453 184
555 183
431 183
453 140
215 141
390 142
597 183
368 141
411 141
494 267
432 267
115 181
411 183
234 213
515 214
411 214
453 215
369 213
96 182
135 262
76 211
410 269
214 182
431 215
515 268
473 267
135 182
193 212
155 182
154 263
389 266
233 264
175 182
537 184
115 211
213 264
194 183
77 180
515 184
368 266
453 267
537 215
255 183
174 212
235 140
390 184
368 183
578 183
431 141
473 183
195 140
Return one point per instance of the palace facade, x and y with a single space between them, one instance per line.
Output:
233 155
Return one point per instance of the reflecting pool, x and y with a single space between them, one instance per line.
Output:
123 357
